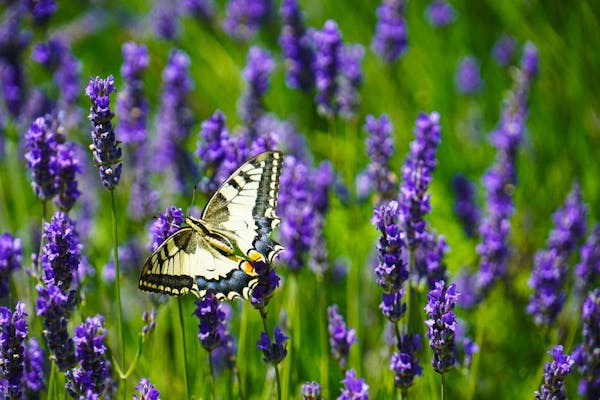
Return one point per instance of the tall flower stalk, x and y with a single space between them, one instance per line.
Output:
107 157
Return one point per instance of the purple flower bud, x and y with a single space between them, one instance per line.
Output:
34 366
328 43
355 388
468 80
41 10
268 281
243 18
146 390
465 207
554 376
149 322
41 142
311 391
203 10
165 20
349 80
586 355
259 67
10 260
429 259
212 319
441 325
296 47
405 363
13 42
275 352
587 272
440 13
340 338
380 147
390 40
504 50
13 332
165 225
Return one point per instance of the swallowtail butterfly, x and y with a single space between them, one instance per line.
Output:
216 251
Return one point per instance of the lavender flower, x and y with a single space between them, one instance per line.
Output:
380 147
55 307
356 388
440 13
105 150
586 355
587 272
416 176
441 325
211 318
41 10
268 281
554 376
243 18
203 10
13 332
93 376
132 106
404 363
174 122
150 322
465 207
146 390
328 43
295 47
323 179
504 50
41 143
390 40
311 391
67 168
56 57
530 61
223 355
259 67
391 271
34 366
429 263
468 79
165 225
219 153
10 260
340 338
349 80
165 20
295 208
551 266
275 352
61 253
13 42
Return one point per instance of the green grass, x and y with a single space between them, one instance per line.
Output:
560 147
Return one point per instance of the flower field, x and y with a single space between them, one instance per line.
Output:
410 207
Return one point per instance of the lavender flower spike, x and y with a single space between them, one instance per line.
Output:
166 224
554 376
211 317
587 272
273 353
259 67
10 260
468 79
380 147
91 379
340 338
243 18
295 47
404 362
441 325
465 207
105 150
440 13
328 43
311 391
586 356
41 143
13 332
356 388
391 271
146 390
34 366
390 41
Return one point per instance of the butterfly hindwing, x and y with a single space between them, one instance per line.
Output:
213 252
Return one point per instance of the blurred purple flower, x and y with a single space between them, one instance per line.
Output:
256 73
504 50
355 388
10 260
243 18
586 355
13 42
146 390
380 147
429 263
441 325
416 177
223 355
349 80
530 61
390 39
174 123
391 271
404 362
41 142
132 106
326 65
67 168
130 258
165 19
34 366
587 272
468 79
105 150
273 353
296 47
548 278
465 206
340 337
165 225
13 332
555 373
440 13
41 10
203 10
149 319
57 58
311 391
92 378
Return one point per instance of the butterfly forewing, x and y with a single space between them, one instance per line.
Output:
237 219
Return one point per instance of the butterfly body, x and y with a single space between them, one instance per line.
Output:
216 251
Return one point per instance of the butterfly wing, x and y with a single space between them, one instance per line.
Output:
243 207
185 263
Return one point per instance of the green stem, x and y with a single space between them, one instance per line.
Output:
443 392
211 370
239 379
185 364
263 316
120 332
323 336
51 380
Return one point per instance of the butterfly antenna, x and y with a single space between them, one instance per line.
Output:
193 199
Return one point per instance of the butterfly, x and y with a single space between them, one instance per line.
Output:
216 251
